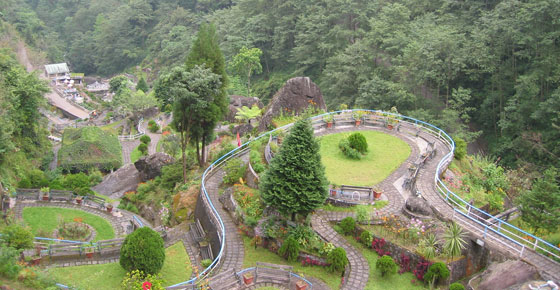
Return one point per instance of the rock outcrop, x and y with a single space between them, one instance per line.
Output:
149 167
114 185
293 98
418 205
506 274
236 102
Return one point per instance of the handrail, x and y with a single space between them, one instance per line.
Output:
140 223
140 133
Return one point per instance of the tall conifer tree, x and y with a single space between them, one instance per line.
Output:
295 181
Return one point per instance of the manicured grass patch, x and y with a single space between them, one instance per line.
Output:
376 282
176 268
135 155
89 147
385 154
378 205
252 256
46 218
111 128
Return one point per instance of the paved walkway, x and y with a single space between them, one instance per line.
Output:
127 147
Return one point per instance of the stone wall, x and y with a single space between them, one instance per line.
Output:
203 212
251 177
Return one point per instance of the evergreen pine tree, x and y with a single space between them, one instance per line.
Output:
539 207
295 181
142 85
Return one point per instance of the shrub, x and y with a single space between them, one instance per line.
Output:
386 265
78 183
143 148
95 177
456 286
8 262
366 238
362 213
289 249
347 225
145 139
460 148
235 169
205 263
134 280
225 150
435 272
89 147
143 250
348 151
337 259
17 237
358 141
153 126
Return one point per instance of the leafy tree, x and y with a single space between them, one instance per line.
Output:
454 240
18 237
247 62
289 249
194 93
142 85
295 181
143 148
145 139
337 259
386 265
358 141
539 206
456 286
135 279
348 225
245 114
143 250
436 271
117 83
366 238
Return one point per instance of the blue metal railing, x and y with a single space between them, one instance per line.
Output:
140 223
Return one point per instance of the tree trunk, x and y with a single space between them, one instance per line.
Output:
249 83
203 155
294 217
183 148
198 156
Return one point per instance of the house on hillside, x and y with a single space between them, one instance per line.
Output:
56 70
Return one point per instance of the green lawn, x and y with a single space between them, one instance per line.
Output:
135 155
371 208
386 154
176 268
46 218
376 282
252 256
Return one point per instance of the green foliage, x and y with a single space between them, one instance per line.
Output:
539 206
135 279
436 272
245 114
344 146
153 126
17 237
142 85
289 249
386 265
428 246
143 250
145 139
9 257
79 183
89 147
247 62
348 225
366 238
362 213
454 238
235 169
118 83
358 141
256 161
143 148
225 150
295 181
306 238
460 148
456 286
337 259
205 263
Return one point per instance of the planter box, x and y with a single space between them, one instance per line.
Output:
329 125
358 122
78 201
109 209
377 194
300 285
390 127
89 255
36 261
248 279
45 198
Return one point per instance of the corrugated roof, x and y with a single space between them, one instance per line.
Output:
57 68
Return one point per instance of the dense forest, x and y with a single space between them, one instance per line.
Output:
487 69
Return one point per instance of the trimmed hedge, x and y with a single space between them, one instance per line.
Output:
143 250
89 147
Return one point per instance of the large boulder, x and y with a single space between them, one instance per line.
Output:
150 166
236 102
506 274
418 205
293 98
114 185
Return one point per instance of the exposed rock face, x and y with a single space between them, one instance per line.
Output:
236 102
117 183
150 166
418 205
506 274
293 98
242 129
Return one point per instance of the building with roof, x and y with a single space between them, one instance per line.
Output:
56 70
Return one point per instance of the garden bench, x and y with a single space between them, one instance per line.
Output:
109 246
206 251
65 249
95 201
226 280
358 189
61 195
27 194
280 274
197 231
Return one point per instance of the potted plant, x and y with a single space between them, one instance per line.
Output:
89 251
248 278
45 193
377 194
329 120
333 189
36 260
301 285
109 208
358 115
79 199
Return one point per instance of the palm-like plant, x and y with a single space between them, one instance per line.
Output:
454 240
428 246
245 114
